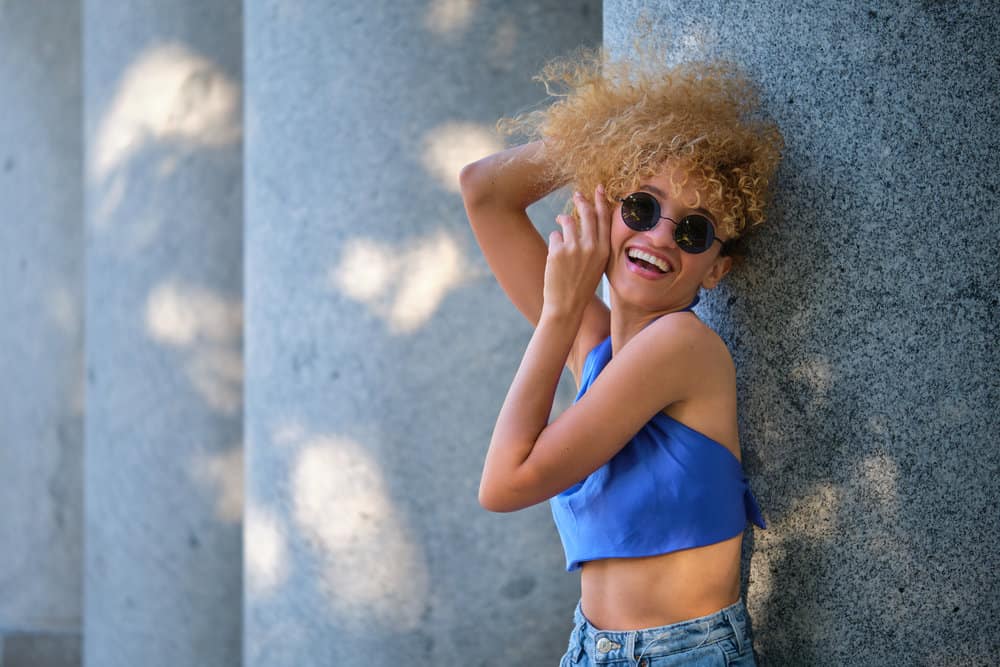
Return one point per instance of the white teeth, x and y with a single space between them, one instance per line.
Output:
636 253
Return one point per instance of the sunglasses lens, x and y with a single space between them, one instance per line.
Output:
640 211
694 234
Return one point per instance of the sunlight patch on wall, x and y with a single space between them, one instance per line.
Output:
822 504
817 374
216 373
169 97
691 42
222 473
172 94
449 17
879 476
208 328
342 506
403 286
451 146
265 551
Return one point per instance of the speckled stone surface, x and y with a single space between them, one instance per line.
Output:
41 319
379 346
864 324
163 243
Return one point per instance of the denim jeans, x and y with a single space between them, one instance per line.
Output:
721 639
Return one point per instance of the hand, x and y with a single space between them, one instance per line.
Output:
578 256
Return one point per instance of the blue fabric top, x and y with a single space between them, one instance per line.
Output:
669 488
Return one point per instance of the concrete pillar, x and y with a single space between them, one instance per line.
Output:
41 336
163 133
379 346
864 323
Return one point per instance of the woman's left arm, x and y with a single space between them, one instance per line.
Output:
526 409
530 461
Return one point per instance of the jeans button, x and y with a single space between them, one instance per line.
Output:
604 645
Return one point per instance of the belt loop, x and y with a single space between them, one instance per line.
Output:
581 638
731 617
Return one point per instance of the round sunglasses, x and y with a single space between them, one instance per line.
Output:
693 233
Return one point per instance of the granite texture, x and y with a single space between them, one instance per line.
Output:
41 335
864 323
379 346
163 242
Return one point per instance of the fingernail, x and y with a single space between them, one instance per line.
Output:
576 193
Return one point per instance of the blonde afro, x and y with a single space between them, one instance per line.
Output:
618 122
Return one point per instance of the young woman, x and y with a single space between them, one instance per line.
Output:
643 471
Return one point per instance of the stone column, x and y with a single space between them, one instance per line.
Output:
864 323
379 345
163 133
41 335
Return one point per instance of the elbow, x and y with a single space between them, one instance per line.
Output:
505 497
492 501
471 182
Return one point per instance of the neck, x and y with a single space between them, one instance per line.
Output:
627 319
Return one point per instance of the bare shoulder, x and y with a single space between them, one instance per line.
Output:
678 332
708 374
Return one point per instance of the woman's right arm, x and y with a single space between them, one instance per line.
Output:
496 191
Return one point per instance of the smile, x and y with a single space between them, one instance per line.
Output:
646 264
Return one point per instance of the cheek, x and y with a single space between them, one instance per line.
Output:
619 232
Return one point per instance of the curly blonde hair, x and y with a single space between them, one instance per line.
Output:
618 122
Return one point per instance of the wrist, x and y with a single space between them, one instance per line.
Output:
560 317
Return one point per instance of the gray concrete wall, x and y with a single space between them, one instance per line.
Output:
864 324
379 346
41 338
163 224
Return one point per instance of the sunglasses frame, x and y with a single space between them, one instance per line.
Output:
657 217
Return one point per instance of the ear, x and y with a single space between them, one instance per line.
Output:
722 265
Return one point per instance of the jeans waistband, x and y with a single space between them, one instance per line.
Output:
605 646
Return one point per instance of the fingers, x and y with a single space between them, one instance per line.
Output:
603 211
568 236
588 223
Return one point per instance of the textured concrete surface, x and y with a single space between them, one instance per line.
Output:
864 324
379 346
41 338
163 174
41 650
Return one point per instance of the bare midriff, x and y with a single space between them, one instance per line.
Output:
637 593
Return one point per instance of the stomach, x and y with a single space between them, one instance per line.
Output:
638 593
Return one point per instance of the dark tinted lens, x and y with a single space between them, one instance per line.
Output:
694 234
640 211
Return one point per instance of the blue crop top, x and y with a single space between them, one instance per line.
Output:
669 488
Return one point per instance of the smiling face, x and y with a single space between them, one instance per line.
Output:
637 281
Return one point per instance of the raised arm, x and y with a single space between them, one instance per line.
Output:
496 191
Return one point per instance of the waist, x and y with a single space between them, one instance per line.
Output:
634 593
722 636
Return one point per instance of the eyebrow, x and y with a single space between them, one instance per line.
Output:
662 195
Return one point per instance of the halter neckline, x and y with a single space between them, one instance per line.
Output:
691 305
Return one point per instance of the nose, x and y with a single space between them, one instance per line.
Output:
663 233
